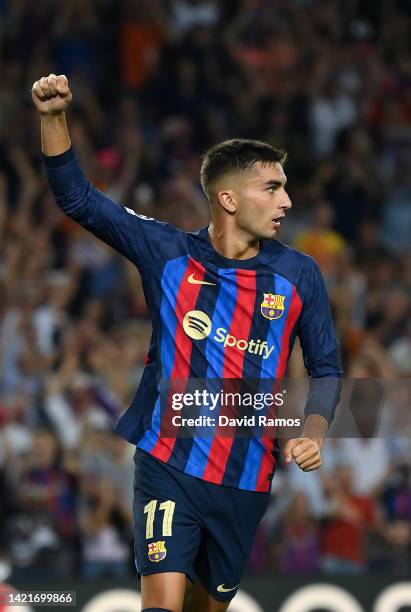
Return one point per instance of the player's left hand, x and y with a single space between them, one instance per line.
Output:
305 452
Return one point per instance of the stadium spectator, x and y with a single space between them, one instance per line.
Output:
350 519
105 525
43 531
298 546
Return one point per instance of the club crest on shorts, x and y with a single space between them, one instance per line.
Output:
272 306
157 551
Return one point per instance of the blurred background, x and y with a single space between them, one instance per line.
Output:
155 83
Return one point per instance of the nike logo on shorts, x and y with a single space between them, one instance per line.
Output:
222 589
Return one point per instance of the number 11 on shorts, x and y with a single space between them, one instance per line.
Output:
150 509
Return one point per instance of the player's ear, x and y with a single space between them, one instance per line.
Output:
227 200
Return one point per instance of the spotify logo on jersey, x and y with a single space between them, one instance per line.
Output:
197 324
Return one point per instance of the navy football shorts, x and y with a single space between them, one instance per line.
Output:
185 524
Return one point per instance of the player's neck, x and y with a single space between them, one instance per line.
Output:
233 244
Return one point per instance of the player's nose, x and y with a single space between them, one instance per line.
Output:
286 204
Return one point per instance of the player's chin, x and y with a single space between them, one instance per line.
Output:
266 233
270 233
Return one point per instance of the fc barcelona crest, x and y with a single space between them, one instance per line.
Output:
272 306
157 551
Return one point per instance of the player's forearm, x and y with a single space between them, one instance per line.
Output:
80 200
55 138
315 428
324 387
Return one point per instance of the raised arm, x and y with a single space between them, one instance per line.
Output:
142 240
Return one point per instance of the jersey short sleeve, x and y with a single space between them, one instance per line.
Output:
143 240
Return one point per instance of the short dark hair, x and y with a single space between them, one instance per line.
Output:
236 155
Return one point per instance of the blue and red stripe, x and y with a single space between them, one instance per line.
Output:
223 316
260 461
179 297
206 303
233 367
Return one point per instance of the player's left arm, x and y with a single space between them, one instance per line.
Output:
321 358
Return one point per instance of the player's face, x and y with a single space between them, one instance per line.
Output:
262 201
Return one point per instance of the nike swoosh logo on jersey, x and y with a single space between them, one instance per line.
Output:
222 589
195 281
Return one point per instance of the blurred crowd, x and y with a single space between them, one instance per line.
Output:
156 82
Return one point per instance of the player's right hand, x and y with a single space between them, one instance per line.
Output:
51 95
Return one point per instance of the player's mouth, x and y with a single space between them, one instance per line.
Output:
277 221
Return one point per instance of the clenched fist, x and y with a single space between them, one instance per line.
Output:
305 452
51 94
